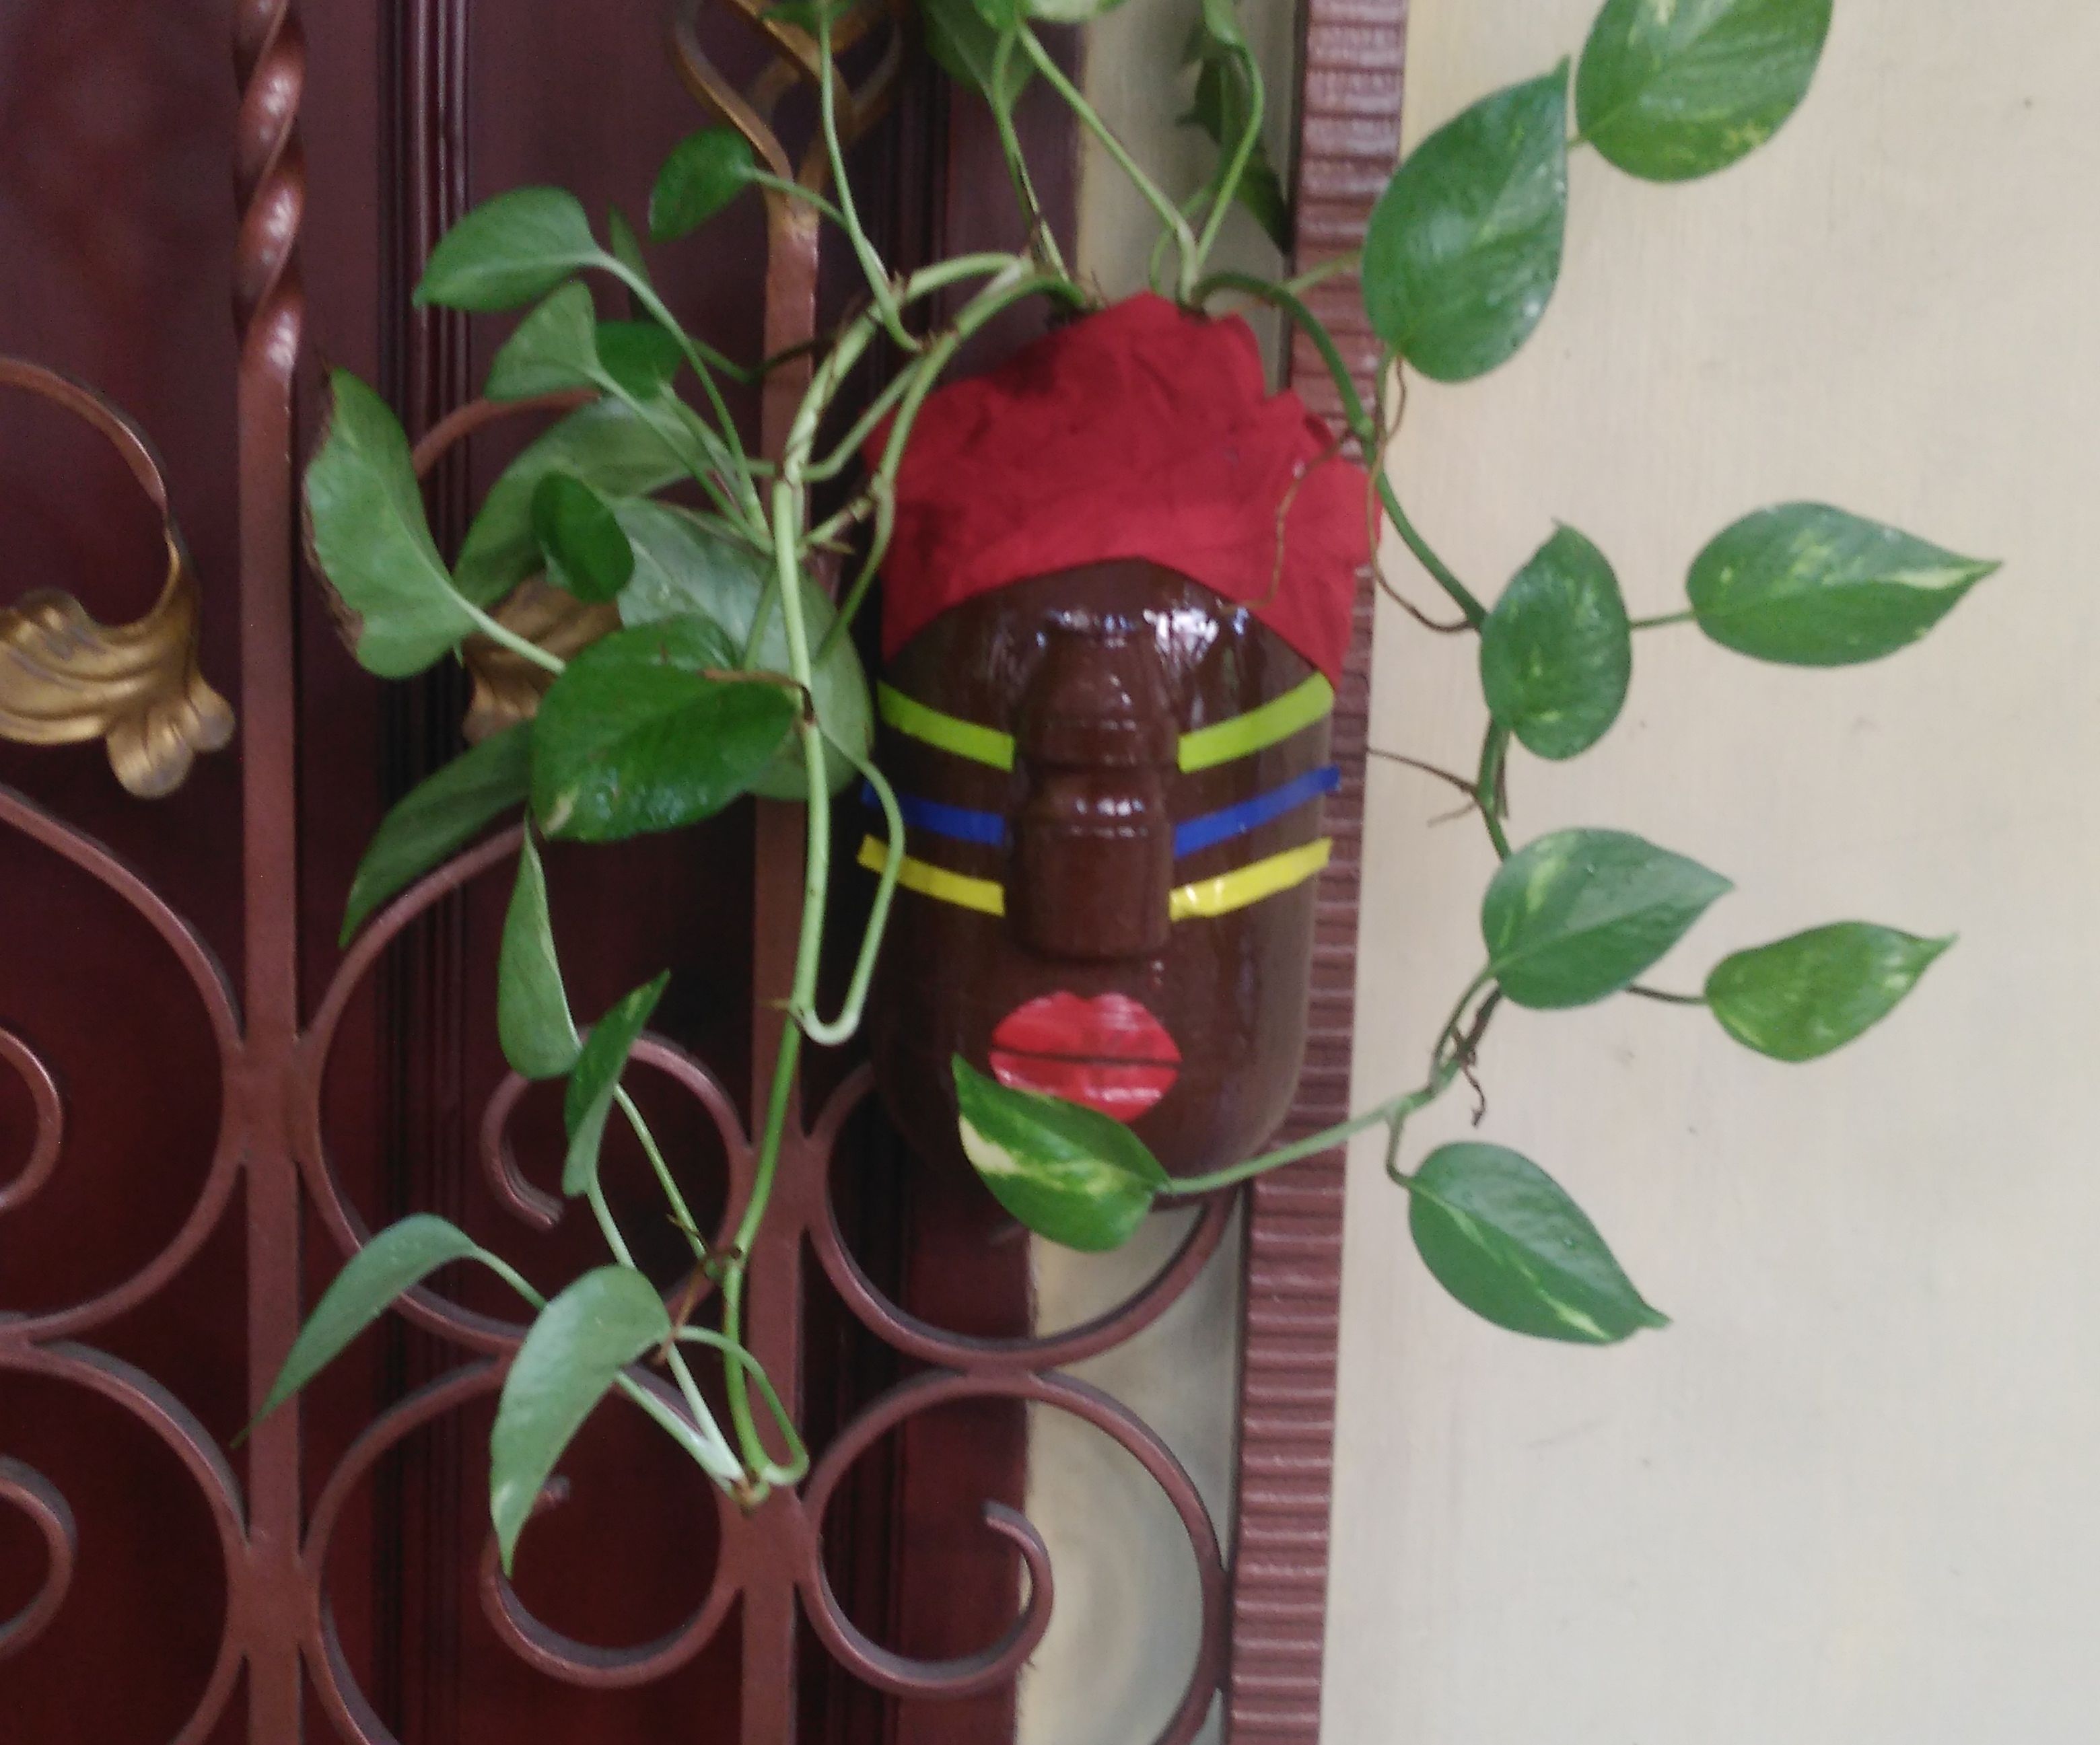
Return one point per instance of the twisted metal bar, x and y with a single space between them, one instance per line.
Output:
36 1497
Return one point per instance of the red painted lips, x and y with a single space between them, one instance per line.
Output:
1107 1052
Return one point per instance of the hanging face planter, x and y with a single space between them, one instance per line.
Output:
1116 612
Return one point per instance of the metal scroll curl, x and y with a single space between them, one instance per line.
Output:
65 679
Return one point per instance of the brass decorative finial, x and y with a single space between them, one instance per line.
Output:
65 678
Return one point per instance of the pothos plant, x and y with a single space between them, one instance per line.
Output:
733 673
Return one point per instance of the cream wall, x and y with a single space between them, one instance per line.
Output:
1849 1497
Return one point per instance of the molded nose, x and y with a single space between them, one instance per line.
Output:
1093 857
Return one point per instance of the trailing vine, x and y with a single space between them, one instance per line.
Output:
734 673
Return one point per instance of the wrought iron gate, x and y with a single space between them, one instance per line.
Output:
271 1174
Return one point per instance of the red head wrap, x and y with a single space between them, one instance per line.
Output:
1140 432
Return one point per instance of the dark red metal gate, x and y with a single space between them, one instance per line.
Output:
258 1088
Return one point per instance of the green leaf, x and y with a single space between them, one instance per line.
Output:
392 1263
641 356
686 563
581 538
1500 1236
635 737
604 444
596 1076
439 817
1668 89
569 1361
1556 655
510 251
1070 1174
532 1020
704 174
1799 998
1578 915
1221 109
553 349
364 515
966 46
1812 586
1463 249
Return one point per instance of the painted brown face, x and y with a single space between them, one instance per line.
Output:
1112 782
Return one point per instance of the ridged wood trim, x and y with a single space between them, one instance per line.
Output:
1348 140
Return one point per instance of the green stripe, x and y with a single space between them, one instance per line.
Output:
980 745
1243 735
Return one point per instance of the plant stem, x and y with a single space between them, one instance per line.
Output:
798 1456
1170 214
864 251
681 1213
1487 786
1042 240
504 637
1235 168
848 1021
1462 597
645 294
1327 269
1684 617
1358 422
688 1388
793 190
1665 997
1392 1112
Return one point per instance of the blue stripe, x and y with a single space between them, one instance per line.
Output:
958 823
962 824
1215 827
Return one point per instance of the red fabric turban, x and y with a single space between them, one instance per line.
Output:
1140 432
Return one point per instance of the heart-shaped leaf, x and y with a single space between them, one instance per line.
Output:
685 563
1812 586
1578 915
641 356
1463 249
704 174
1799 998
365 522
637 737
606 444
1556 653
441 816
532 1019
1501 1236
553 349
569 1361
966 45
581 538
510 251
1073 1174
392 1263
589 1099
1673 89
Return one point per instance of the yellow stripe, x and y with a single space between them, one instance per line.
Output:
1242 735
980 745
986 896
1205 898
1250 884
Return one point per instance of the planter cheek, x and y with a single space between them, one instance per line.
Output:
1112 779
